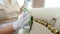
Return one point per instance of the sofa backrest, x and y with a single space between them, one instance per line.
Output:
50 15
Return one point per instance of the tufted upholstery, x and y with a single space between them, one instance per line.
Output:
51 15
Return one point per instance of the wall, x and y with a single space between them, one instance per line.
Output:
38 3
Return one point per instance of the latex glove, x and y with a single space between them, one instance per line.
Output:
23 19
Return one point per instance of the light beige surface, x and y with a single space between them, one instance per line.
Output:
39 29
45 14
9 11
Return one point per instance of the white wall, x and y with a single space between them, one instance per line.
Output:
52 3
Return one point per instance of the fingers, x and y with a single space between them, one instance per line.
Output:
26 22
25 18
22 15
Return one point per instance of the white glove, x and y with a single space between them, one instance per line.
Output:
23 19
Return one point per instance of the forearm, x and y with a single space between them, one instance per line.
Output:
7 30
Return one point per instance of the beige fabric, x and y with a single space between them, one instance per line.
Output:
39 29
9 12
46 14
57 24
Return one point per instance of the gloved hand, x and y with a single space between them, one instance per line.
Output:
23 20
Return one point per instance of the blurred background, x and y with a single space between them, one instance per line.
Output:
46 3
41 3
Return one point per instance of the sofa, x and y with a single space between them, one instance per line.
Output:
50 15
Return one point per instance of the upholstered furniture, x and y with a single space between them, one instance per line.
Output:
43 16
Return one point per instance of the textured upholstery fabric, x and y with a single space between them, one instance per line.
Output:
46 14
9 11
39 29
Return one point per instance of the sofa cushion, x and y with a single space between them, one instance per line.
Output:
39 29
48 14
